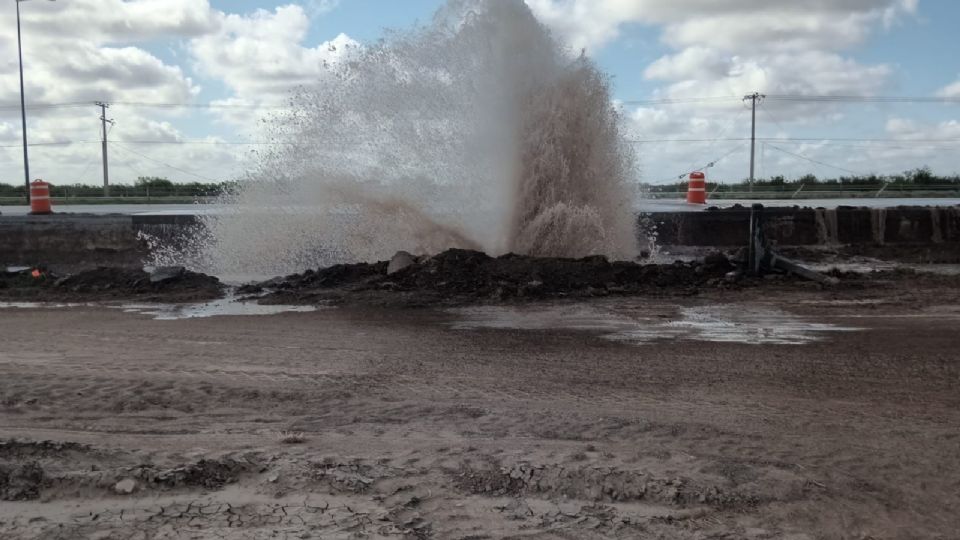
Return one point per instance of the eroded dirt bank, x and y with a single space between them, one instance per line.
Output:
106 284
377 423
460 276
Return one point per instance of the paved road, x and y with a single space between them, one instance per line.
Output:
652 205
104 209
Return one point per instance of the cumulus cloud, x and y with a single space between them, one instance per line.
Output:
733 48
261 55
950 91
909 129
320 7
724 24
83 51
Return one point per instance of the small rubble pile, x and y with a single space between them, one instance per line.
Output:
169 284
20 481
459 275
22 475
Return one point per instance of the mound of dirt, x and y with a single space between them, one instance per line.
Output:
207 473
459 275
105 283
20 482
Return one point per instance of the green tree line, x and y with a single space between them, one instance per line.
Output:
909 180
144 186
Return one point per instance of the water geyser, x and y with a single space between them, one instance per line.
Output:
478 130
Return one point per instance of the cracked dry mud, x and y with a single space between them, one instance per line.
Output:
350 423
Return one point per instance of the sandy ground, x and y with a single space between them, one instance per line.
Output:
350 423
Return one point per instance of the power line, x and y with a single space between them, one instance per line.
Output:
662 101
214 143
863 99
680 101
75 104
774 120
813 160
892 144
798 139
826 140
148 158
199 105
37 106
54 143
727 129
708 165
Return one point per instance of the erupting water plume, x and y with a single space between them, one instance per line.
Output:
476 131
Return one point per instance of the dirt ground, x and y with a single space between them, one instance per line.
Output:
385 423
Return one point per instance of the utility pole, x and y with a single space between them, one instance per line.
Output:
754 98
23 106
106 170
23 111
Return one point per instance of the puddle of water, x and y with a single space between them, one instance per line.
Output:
866 267
854 302
226 307
44 305
756 325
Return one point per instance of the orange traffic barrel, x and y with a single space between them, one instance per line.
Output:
697 190
40 198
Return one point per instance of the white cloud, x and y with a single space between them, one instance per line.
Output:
908 129
261 56
950 91
114 21
97 50
733 48
723 24
320 7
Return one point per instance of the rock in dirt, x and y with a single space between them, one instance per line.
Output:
125 486
163 274
400 261
518 509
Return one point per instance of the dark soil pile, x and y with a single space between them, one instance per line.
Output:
110 284
460 275
20 481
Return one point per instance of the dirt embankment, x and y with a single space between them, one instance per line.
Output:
463 276
165 285
454 277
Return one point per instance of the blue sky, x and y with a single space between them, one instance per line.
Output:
249 53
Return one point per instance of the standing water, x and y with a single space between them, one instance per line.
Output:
478 130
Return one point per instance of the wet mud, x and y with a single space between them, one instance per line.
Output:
461 276
105 284
377 423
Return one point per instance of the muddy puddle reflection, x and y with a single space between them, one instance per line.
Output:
225 307
750 324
